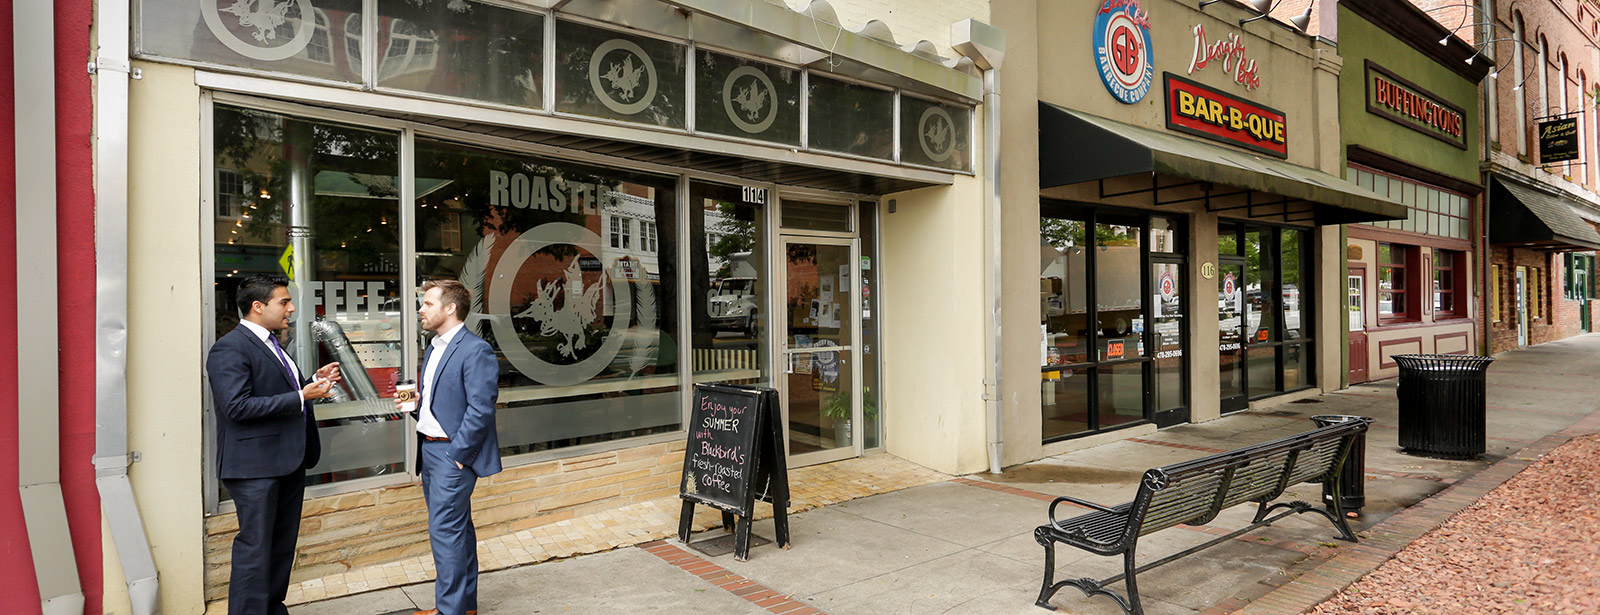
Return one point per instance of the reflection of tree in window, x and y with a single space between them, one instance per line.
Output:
733 232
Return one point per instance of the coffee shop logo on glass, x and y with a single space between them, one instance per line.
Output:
264 30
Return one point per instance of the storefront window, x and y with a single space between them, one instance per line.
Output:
245 35
586 332
851 119
318 203
1429 210
871 316
729 292
1444 282
935 135
463 49
1392 281
607 74
743 98
1097 296
1273 316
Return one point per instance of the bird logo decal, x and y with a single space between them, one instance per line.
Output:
264 20
937 136
578 309
624 77
751 100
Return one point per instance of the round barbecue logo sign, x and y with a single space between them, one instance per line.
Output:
255 28
622 76
747 97
1122 49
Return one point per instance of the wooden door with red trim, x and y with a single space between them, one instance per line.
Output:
1356 313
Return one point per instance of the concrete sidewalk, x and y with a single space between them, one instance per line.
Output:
965 545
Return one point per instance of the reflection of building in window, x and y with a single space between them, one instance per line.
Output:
450 232
320 49
619 233
412 49
352 38
647 237
231 194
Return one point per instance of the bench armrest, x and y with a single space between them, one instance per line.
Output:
1077 501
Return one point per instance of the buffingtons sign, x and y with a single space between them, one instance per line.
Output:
1409 105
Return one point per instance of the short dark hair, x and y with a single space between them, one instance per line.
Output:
452 292
255 288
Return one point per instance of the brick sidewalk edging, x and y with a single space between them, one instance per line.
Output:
764 597
1389 537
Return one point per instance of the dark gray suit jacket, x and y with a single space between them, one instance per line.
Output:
263 430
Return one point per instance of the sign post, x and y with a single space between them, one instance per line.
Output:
733 458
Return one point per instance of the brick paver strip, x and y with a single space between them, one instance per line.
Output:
1394 534
1190 447
765 597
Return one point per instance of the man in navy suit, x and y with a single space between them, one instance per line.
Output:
457 440
266 440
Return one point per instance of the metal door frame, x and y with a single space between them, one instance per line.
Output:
777 296
1522 306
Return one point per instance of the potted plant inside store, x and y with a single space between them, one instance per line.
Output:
837 410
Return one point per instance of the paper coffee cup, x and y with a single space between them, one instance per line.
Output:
406 393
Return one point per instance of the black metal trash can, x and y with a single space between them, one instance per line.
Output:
1442 399
1352 481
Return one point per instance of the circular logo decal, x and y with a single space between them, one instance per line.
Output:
1227 285
1169 286
261 18
1122 50
936 134
617 71
580 306
750 99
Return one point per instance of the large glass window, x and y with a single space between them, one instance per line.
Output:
744 98
585 331
934 134
1274 312
464 49
1429 210
850 118
729 285
273 36
1100 287
318 202
607 74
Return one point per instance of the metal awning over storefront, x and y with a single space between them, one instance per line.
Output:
1077 147
1524 216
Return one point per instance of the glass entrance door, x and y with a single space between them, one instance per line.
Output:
1231 315
820 324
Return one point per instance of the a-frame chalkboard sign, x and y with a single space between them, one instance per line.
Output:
733 458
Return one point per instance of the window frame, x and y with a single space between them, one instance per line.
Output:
1405 272
1450 263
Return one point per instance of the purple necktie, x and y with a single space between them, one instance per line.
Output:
281 357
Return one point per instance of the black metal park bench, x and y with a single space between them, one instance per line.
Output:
1193 493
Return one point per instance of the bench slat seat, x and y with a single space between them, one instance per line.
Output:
1193 493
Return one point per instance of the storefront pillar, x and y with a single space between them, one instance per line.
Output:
1331 317
1205 387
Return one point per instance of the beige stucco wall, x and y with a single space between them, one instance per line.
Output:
933 333
909 20
1049 58
164 315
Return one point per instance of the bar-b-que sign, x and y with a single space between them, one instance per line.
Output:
1201 111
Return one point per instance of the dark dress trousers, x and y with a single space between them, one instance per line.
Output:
266 440
462 397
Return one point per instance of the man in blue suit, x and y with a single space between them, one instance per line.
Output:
266 440
458 445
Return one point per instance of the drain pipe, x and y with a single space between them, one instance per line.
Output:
985 46
44 510
113 70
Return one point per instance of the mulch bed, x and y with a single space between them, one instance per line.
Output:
1532 545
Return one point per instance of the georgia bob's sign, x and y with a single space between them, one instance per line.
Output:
1204 112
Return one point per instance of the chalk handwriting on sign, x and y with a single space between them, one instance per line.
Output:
1230 52
719 461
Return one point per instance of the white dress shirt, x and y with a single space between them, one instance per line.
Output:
262 333
426 424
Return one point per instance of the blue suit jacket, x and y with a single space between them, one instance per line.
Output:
466 387
263 430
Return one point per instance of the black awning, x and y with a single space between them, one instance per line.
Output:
1078 147
1520 214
